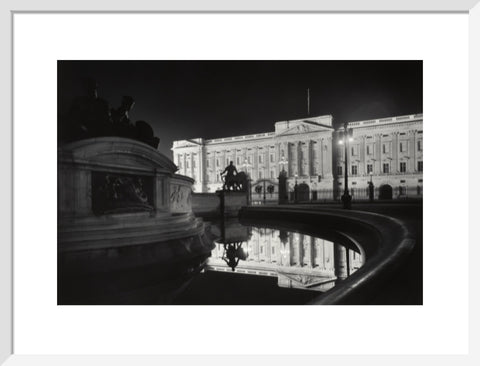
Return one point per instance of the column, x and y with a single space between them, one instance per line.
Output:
308 157
378 140
298 147
395 153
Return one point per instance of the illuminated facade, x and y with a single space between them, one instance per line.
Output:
387 151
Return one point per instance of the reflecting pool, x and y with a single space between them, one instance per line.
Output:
240 264
265 265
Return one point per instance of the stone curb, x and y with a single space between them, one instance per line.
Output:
386 240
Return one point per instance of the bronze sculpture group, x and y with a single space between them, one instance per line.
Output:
90 116
234 180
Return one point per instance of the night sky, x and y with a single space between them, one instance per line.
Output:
209 99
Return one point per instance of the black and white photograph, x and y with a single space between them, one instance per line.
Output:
249 182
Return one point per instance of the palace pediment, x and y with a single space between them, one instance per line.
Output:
303 126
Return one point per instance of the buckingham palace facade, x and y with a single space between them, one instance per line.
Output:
388 152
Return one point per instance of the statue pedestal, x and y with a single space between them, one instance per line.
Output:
231 202
118 196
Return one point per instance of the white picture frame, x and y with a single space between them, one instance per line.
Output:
7 248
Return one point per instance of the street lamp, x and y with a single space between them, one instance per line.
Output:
346 198
283 162
295 189
246 165
264 194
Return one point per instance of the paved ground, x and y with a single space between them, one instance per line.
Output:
405 287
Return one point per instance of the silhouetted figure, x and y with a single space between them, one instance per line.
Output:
231 171
145 134
88 116
121 119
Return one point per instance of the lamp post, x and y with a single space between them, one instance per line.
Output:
246 165
346 198
283 162
370 188
264 193
295 189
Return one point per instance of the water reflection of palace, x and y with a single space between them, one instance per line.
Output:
297 260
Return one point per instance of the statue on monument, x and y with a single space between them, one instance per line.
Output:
91 116
88 116
233 180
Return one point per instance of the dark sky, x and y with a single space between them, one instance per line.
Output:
188 99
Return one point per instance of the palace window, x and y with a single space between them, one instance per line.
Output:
354 170
369 149
339 170
369 168
354 150
403 167
419 145
260 175
272 174
218 163
386 148
401 146
420 166
238 160
386 168
260 159
271 158
208 163
188 165
249 160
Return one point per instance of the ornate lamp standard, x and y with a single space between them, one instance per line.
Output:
295 189
346 138
264 192
283 162
246 165
282 182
